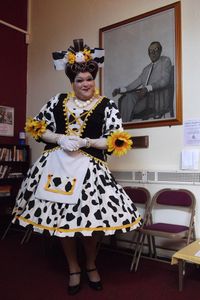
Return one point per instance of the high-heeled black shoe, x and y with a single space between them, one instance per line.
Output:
74 289
95 285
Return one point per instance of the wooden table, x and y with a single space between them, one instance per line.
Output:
191 254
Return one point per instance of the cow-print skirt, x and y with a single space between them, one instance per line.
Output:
102 207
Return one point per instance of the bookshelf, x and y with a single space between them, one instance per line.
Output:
14 164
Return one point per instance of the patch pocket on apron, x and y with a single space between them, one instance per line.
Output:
60 185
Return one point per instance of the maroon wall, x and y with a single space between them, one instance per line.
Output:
13 63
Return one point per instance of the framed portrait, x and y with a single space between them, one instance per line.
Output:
6 121
142 68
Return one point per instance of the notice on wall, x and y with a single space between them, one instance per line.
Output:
6 121
192 133
190 159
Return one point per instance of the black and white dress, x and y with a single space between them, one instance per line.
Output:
92 200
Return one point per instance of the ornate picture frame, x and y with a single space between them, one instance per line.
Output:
128 45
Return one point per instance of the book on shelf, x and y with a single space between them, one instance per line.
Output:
5 154
13 154
5 190
4 171
21 154
15 175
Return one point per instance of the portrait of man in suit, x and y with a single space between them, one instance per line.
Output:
151 94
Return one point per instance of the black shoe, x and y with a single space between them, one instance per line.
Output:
95 285
74 289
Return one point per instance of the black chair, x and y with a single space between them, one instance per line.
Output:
164 99
157 103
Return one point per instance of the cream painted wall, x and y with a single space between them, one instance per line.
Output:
56 23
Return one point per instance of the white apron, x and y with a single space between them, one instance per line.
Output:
62 177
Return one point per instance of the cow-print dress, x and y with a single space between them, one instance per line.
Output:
103 205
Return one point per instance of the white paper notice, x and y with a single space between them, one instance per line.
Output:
192 132
190 159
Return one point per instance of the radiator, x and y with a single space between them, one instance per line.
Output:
160 177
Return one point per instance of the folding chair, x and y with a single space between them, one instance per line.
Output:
171 202
141 198
27 231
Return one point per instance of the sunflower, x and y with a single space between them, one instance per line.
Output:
87 54
35 128
71 57
119 142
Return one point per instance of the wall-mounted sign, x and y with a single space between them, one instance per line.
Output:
6 121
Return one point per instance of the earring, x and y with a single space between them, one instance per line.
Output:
96 92
71 94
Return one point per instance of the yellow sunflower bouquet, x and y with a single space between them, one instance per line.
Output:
119 142
35 128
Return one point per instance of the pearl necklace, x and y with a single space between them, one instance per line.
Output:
82 104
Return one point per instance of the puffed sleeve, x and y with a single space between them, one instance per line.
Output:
43 120
112 120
